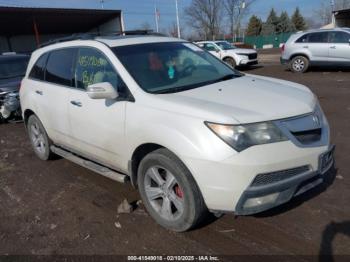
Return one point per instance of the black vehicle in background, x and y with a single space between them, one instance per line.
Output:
12 70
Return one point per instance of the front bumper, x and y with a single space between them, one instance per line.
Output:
9 104
261 198
246 62
226 184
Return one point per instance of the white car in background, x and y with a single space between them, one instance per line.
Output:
229 53
189 131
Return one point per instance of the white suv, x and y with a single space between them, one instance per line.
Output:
230 54
189 131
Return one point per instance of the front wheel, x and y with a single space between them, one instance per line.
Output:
230 61
169 192
299 64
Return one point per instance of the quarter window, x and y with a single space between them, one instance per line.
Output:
93 67
38 70
303 39
59 67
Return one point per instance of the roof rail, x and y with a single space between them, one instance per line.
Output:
93 35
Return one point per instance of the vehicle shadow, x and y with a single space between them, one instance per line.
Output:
344 69
298 200
248 68
329 234
325 69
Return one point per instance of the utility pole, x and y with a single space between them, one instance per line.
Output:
177 20
156 16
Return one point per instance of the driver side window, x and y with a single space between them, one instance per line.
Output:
210 47
93 67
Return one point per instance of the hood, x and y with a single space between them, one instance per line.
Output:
246 99
10 84
241 51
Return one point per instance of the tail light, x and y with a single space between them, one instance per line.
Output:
283 47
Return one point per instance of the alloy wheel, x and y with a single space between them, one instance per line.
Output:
38 139
164 193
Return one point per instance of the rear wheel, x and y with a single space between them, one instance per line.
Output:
230 61
299 64
39 139
169 192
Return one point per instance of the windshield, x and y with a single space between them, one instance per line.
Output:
225 45
172 67
11 67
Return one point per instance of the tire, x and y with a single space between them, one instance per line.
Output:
39 139
183 199
299 64
230 61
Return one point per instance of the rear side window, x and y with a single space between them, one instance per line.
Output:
321 37
59 68
339 38
38 70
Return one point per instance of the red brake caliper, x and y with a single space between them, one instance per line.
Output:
178 191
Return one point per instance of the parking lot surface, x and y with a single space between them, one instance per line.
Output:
57 207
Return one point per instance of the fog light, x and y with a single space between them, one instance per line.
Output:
259 201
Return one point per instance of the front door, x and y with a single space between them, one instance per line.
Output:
339 50
97 124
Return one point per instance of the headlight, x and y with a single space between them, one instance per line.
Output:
240 137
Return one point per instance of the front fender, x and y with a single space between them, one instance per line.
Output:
184 135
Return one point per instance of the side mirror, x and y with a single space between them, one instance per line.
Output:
102 90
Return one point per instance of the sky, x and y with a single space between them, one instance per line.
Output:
139 12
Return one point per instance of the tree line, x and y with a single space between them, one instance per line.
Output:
275 24
210 19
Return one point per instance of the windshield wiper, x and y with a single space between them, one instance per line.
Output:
184 88
224 78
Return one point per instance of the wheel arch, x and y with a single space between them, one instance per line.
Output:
299 54
27 113
139 153
230 57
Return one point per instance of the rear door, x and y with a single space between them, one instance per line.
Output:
97 124
339 50
317 44
52 94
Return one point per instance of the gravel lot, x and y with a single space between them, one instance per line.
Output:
59 208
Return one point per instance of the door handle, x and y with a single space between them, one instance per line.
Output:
39 92
76 103
305 46
333 47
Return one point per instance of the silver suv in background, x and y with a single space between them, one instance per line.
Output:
317 47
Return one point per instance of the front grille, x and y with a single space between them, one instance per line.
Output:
253 56
277 176
309 136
